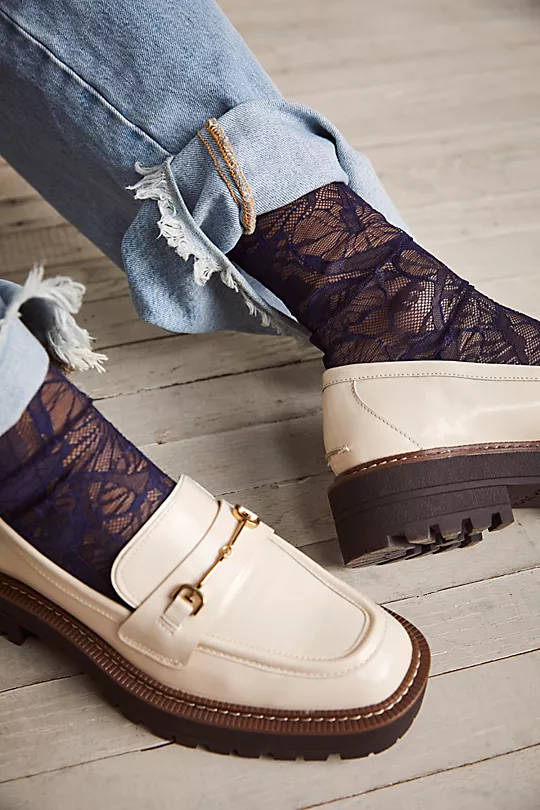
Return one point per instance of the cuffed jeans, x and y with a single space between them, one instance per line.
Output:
166 98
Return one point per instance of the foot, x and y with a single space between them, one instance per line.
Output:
429 454
431 396
191 639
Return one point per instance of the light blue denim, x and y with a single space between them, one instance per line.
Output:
23 362
90 89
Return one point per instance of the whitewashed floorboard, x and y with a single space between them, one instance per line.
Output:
178 359
27 213
479 713
102 279
58 247
58 723
270 395
511 780
512 550
264 453
114 322
32 663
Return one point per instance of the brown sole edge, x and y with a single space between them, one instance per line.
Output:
218 727
432 501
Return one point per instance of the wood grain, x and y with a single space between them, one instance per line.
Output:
469 715
498 783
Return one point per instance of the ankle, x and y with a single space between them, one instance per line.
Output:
368 293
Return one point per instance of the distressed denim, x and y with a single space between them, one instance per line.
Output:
90 91
23 361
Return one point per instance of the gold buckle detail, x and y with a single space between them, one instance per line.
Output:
192 594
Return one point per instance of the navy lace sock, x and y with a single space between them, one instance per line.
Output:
367 292
72 485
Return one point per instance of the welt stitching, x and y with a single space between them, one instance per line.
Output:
85 84
205 707
423 453
382 419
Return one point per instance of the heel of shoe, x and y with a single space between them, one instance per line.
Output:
383 516
10 628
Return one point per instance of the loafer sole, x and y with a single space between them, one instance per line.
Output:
432 501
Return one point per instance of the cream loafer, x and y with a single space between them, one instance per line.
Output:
227 637
428 454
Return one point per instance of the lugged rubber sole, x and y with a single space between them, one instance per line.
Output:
219 727
432 501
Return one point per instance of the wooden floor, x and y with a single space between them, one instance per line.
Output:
444 96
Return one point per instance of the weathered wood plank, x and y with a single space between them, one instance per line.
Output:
485 217
12 185
270 395
32 663
102 279
461 167
61 722
181 359
479 713
249 457
510 780
480 622
57 246
27 213
463 44
511 550
406 109
114 322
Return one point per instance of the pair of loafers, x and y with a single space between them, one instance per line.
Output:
226 636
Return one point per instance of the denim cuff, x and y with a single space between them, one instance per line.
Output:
255 158
23 366
36 314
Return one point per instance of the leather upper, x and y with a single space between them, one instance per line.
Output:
377 410
275 629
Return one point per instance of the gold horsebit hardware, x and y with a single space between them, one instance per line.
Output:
192 594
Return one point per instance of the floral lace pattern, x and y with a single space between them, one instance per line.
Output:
368 292
72 485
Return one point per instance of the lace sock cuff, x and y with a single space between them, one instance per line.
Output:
367 292
72 485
